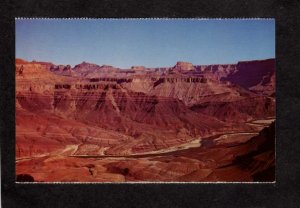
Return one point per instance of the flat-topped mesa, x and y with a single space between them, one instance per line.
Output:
138 68
183 66
104 66
270 61
251 73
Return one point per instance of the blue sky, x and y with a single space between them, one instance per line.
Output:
151 43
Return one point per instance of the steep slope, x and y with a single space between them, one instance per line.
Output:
155 122
247 74
238 111
250 74
157 110
181 123
193 92
266 86
218 71
39 134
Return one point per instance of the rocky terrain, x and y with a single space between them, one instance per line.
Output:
99 123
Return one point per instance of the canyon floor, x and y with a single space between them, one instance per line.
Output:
183 123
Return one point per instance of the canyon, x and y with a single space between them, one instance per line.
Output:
183 123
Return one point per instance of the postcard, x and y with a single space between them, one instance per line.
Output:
145 100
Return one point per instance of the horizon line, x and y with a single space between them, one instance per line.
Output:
263 59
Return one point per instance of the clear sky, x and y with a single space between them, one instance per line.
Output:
151 43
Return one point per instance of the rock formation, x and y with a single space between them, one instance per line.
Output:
181 123
183 66
138 68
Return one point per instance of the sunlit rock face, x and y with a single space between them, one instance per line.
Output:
180 123
183 66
